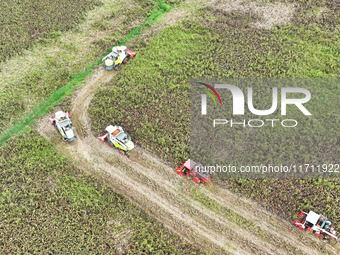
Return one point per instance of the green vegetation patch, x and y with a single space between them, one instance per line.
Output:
47 206
151 97
45 106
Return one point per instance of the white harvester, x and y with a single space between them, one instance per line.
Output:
116 137
62 122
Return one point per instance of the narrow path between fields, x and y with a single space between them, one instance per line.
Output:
227 224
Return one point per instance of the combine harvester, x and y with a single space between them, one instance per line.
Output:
194 171
119 55
316 223
116 137
62 122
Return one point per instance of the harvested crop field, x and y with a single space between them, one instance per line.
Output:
25 22
150 97
48 206
86 197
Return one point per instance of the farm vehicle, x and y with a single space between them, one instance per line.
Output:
119 55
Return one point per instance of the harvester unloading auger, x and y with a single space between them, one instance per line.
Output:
119 55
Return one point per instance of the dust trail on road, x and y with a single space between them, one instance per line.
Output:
154 186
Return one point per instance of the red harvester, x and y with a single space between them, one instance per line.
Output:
196 171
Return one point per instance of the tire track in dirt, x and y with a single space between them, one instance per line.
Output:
270 223
89 153
154 186
205 217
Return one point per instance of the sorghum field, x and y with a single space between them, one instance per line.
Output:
53 200
25 22
151 97
46 204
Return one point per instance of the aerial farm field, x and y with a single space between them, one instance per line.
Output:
84 197
60 58
48 205
215 43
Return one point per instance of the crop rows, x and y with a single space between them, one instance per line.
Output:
48 206
77 80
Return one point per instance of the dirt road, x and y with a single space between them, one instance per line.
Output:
210 217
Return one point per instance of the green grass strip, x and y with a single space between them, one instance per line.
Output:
45 106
